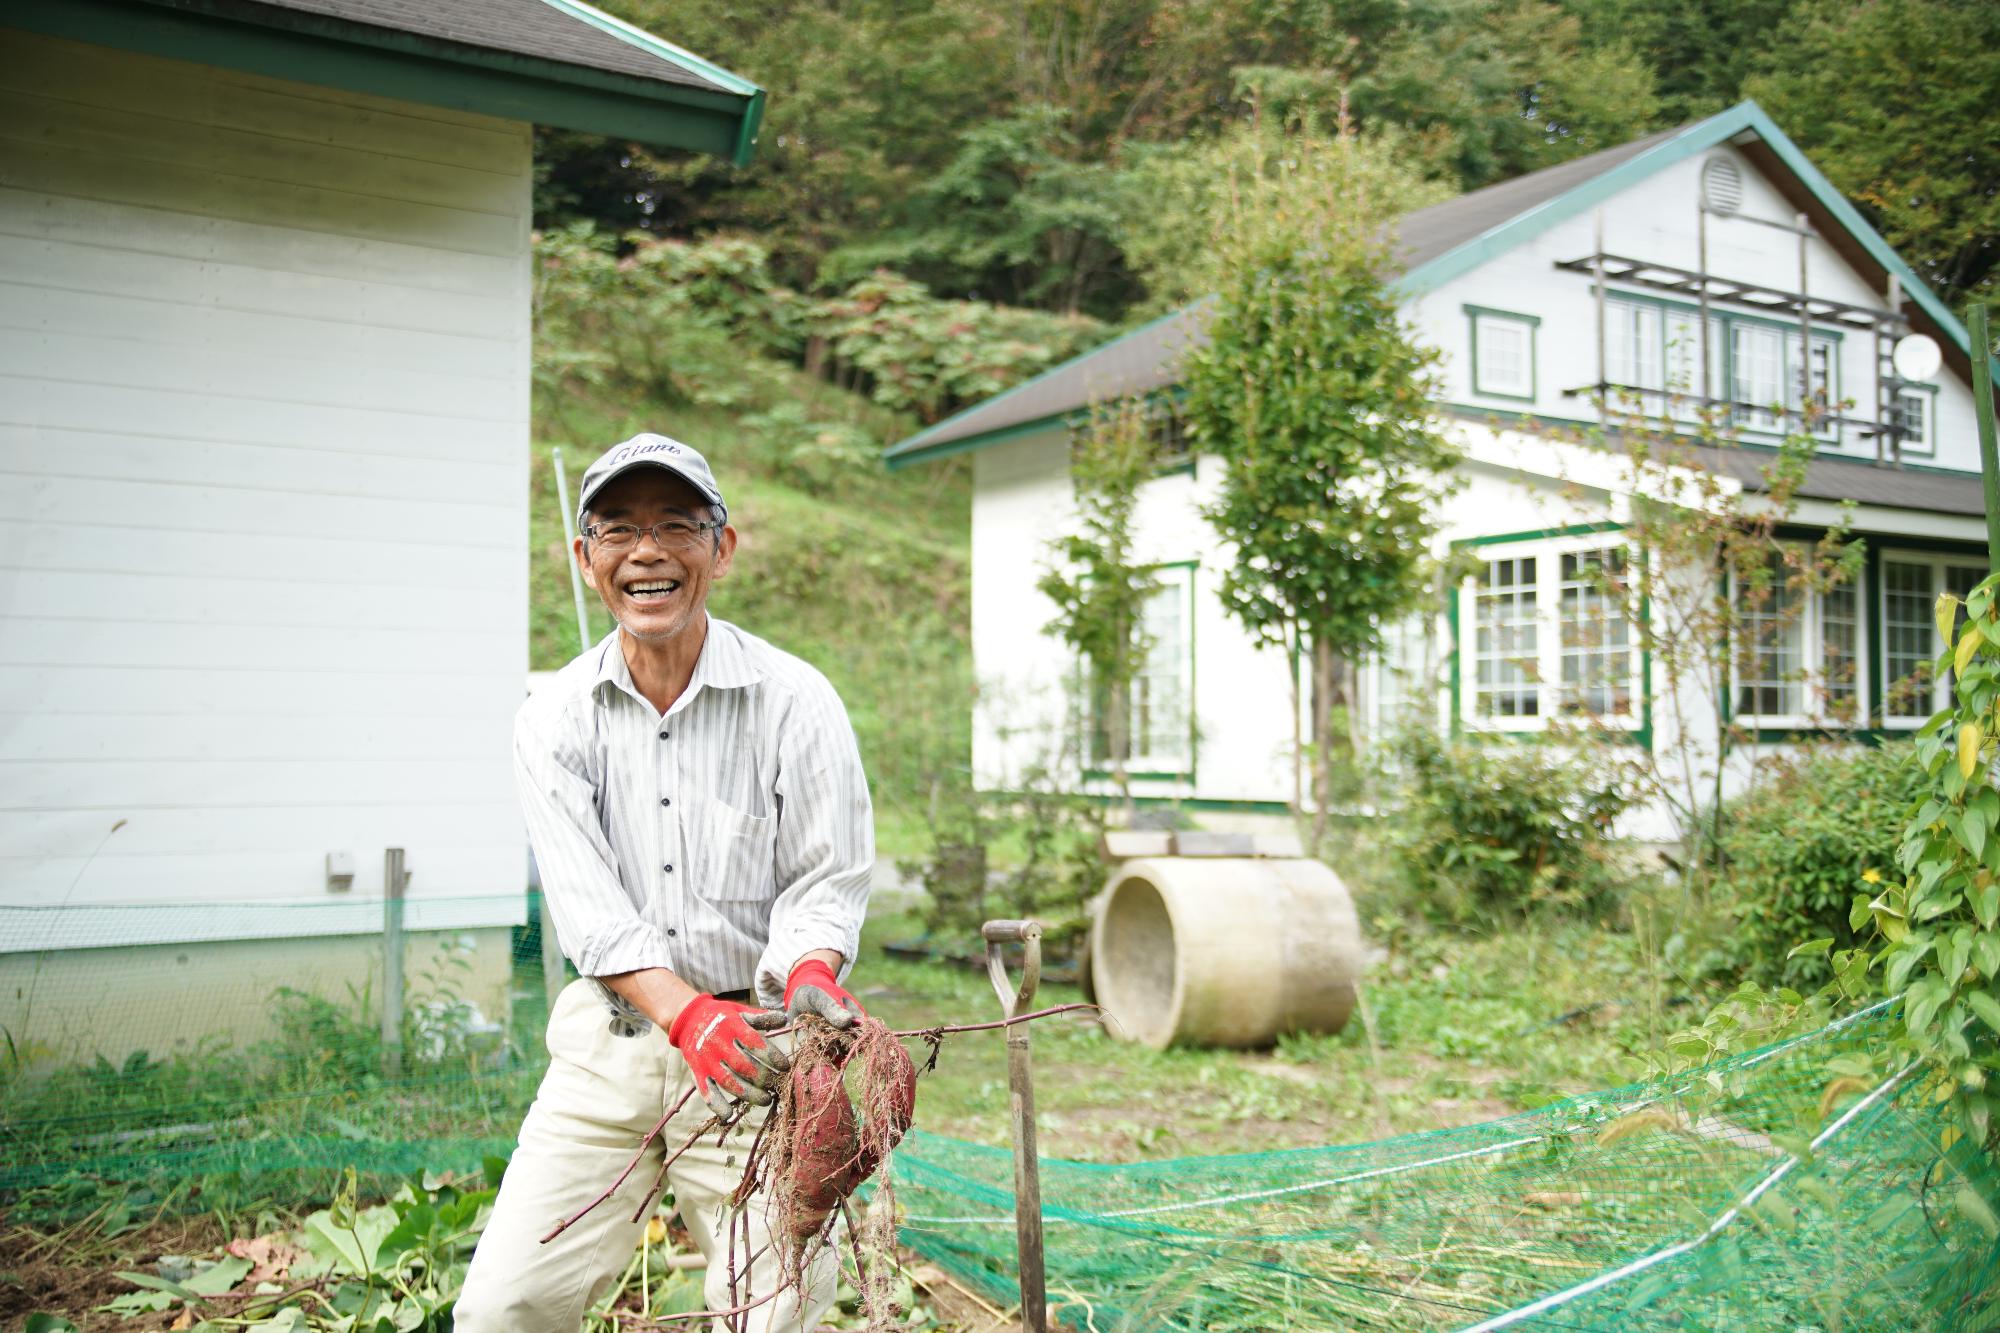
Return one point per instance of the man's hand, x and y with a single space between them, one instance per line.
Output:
812 989
727 1054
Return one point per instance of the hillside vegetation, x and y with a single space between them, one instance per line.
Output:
861 571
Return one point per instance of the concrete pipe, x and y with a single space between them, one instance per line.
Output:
1224 951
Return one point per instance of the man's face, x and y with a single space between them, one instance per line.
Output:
655 594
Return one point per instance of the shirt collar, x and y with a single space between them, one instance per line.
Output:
724 664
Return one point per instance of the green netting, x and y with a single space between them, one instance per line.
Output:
1719 1200
1734 1197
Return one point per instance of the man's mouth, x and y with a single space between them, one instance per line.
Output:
652 590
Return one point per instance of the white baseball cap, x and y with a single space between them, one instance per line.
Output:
650 451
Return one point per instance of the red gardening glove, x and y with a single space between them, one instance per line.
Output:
812 989
728 1056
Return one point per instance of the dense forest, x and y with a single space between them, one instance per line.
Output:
1010 153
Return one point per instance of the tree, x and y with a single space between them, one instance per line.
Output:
1098 587
1893 101
1318 402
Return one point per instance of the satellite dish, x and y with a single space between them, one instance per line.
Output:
1917 357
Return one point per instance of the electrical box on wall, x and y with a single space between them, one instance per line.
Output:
339 871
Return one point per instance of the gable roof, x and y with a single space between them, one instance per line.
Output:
552 62
1436 244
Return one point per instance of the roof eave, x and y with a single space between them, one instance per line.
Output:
312 48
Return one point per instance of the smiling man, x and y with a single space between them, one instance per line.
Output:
698 810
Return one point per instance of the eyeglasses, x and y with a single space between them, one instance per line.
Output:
676 534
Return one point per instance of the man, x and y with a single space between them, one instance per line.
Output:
698 810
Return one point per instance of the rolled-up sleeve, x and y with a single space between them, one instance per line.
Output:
825 851
597 923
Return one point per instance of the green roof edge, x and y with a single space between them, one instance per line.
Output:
653 44
1529 223
315 48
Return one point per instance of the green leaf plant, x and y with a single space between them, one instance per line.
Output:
1938 927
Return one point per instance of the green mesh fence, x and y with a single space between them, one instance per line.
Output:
1740 1196
1721 1200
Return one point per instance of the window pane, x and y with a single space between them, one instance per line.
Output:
1757 377
1159 705
1506 356
1840 652
1634 358
1822 379
1909 637
1769 660
1505 655
1915 409
1597 642
1157 717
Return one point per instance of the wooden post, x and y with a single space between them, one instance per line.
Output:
394 880
1021 1096
553 976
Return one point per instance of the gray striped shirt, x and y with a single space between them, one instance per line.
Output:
721 841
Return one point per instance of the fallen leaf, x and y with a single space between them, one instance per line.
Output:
186 1319
270 1256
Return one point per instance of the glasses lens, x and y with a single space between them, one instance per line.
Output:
676 536
617 536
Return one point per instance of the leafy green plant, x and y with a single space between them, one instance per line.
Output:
1098 587
1032 852
1940 924
1487 828
1317 399
1795 845
917 352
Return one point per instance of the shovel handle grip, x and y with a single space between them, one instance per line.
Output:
1013 1000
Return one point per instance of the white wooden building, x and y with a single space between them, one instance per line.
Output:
264 413
1504 283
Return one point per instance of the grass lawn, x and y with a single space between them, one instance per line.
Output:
1465 1030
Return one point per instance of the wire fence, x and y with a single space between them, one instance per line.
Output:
1804 1186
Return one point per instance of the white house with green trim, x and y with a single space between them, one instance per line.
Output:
1593 278
265 278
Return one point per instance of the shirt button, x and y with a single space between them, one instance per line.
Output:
669 869
671 932
663 735
665 800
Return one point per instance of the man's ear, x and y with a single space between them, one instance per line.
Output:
580 549
725 551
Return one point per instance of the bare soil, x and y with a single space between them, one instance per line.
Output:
49 1272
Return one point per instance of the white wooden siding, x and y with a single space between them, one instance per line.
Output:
263 440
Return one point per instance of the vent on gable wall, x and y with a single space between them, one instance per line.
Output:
1721 186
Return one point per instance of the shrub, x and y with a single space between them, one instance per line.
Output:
1797 847
1496 826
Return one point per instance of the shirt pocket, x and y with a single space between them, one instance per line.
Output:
732 852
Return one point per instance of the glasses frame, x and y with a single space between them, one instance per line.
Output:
694 530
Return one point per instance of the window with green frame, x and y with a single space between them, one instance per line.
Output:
1916 408
1797 659
1503 353
1911 584
1159 708
1546 636
1652 351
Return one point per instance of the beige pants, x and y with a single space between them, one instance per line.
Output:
601 1093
